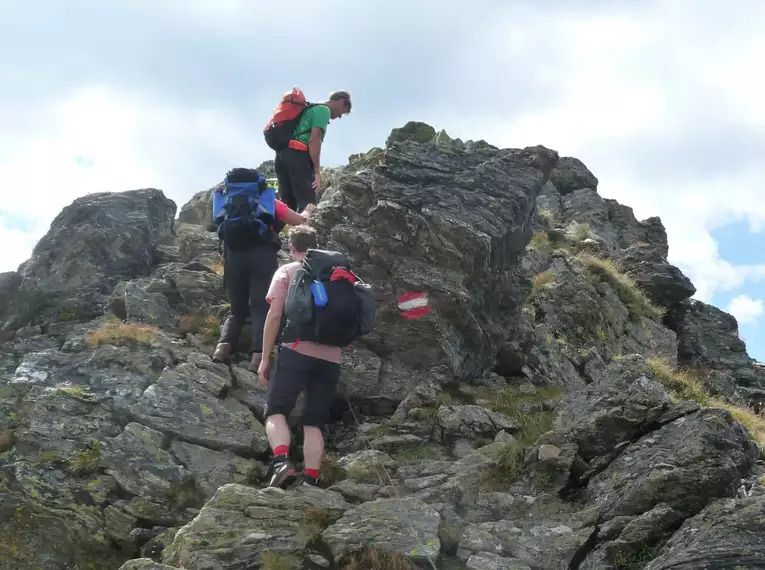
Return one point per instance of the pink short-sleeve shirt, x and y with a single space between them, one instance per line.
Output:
278 290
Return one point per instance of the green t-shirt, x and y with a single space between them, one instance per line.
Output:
316 116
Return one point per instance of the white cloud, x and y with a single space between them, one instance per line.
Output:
631 90
745 309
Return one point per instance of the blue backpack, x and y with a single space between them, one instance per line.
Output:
244 209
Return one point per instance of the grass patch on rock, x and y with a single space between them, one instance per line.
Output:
529 410
280 561
546 217
119 333
687 385
312 523
331 471
579 231
374 559
407 453
540 241
540 282
606 271
206 327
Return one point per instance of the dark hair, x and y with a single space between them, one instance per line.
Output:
303 238
341 95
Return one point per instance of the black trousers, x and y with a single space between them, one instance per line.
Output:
247 273
294 170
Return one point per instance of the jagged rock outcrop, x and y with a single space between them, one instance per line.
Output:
448 221
534 419
92 244
708 339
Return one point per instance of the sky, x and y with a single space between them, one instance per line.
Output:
661 99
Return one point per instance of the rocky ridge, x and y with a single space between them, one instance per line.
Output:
565 405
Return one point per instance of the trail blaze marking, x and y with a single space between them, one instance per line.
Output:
413 305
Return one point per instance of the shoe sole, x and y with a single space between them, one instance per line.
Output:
288 480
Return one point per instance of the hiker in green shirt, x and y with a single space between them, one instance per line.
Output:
298 167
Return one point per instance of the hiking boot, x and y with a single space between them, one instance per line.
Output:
283 473
310 481
257 357
222 353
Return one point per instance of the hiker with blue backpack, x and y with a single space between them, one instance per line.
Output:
246 211
296 131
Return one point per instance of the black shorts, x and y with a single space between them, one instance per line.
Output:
295 373
294 170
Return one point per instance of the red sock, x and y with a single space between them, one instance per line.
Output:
281 450
312 473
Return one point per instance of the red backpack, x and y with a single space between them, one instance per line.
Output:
279 128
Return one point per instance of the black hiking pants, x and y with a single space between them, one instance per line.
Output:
294 171
247 273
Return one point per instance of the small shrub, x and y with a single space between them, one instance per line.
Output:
86 461
373 559
122 334
637 302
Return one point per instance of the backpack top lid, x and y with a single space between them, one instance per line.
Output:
290 106
320 263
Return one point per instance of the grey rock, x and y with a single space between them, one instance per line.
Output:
92 244
684 464
404 526
491 561
663 282
254 522
728 533
472 421
198 210
145 564
415 131
571 174
179 403
708 338
450 222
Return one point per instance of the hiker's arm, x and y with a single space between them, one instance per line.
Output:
271 328
314 148
289 216
292 218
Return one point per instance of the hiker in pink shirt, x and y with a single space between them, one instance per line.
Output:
303 365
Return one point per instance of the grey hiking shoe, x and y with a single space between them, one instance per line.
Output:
222 353
282 473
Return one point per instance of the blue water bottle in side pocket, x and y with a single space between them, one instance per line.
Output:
319 294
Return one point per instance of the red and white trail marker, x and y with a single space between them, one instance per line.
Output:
413 305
